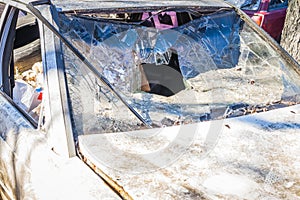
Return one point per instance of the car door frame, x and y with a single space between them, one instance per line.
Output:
6 45
56 116
57 111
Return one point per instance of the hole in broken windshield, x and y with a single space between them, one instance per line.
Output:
164 77
203 66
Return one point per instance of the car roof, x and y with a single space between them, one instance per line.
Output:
88 4
68 5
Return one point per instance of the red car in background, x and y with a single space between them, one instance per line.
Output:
268 14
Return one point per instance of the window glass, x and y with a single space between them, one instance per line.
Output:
212 67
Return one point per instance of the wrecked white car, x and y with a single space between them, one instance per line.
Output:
144 100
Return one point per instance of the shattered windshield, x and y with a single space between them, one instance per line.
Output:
172 67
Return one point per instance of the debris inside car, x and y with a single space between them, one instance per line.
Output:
28 89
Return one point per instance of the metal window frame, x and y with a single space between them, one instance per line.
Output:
57 112
57 116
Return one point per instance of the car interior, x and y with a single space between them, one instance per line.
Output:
22 80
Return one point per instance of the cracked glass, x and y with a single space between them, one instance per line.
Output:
172 67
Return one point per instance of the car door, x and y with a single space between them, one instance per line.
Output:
20 59
274 18
11 117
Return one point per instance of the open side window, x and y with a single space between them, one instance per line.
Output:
21 67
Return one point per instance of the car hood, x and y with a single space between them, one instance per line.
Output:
248 157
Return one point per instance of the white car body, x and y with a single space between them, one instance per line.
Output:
63 155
